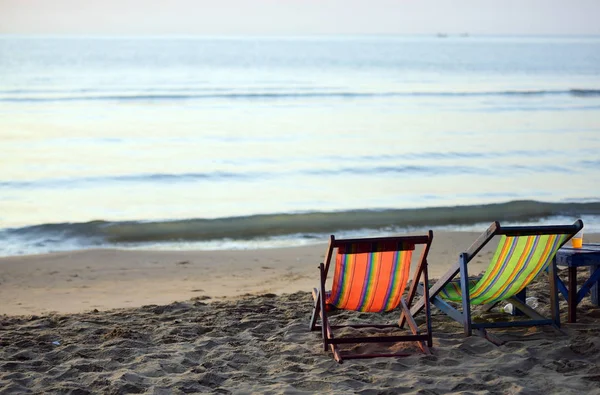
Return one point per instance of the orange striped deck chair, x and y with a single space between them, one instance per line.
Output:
522 253
371 275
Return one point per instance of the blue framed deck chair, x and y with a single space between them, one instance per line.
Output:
371 275
523 252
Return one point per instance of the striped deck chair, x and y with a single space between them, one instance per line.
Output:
523 252
371 275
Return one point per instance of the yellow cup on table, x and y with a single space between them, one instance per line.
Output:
577 240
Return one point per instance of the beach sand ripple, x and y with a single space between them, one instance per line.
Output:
260 344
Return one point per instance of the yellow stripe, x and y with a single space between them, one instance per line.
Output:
397 278
373 282
347 277
544 258
498 265
524 255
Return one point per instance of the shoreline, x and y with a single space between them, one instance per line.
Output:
277 229
104 279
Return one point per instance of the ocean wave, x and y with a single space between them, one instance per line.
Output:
310 223
24 96
126 178
268 173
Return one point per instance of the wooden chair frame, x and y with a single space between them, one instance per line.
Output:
518 301
424 340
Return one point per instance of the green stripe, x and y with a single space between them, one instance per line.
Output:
502 278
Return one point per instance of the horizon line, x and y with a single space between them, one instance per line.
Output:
440 35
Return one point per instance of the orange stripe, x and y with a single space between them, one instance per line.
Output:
402 277
384 272
350 280
545 254
492 276
373 260
548 248
358 281
524 255
405 270
395 279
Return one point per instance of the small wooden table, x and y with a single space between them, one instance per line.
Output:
572 258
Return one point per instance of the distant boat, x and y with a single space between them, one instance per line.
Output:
442 35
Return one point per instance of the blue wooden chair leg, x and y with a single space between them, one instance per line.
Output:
466 300
595 290
552 277
522 296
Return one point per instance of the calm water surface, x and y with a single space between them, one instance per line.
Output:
138 133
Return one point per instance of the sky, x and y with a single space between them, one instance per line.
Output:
298 17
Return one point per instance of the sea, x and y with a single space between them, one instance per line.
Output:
261 142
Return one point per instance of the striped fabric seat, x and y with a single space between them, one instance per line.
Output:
452 290
370 278
522 253
516 262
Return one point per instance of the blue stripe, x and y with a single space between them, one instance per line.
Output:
392 283
514 241
363 295
525 265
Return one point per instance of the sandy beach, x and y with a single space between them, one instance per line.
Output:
157 322
74 282
171 172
